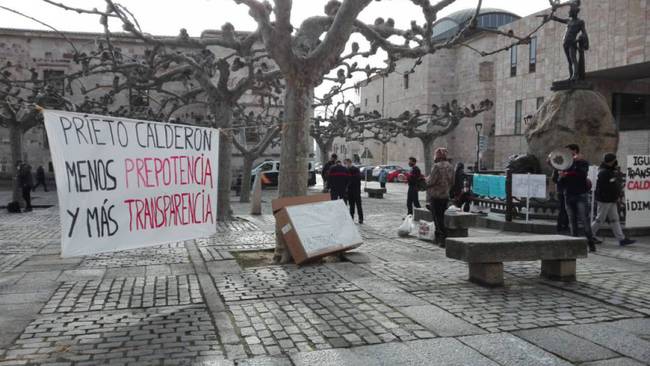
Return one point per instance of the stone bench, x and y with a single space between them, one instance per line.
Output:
457 223
485 255
375 192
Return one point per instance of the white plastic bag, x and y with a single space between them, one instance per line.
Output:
426 231
406 227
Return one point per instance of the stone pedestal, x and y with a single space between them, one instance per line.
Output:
559 270
574 116
486 274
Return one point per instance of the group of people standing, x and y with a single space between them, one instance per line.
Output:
25 183
573 187
344 182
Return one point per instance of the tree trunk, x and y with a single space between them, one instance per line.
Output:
223 112
294 158
245 192
325 149
427 144
16 141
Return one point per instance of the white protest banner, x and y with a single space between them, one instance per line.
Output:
125 183
529 185
637 191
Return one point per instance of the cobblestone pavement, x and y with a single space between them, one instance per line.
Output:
392 301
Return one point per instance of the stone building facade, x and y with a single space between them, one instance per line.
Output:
518 81
49 54
618 64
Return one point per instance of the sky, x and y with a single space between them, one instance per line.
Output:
167 17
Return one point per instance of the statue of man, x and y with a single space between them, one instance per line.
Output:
575 41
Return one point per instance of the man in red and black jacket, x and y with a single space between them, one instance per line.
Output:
412 197
576 188
354 189
337 179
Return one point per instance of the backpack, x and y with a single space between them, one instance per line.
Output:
13 207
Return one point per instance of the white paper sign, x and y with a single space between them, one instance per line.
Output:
324 226
529 185
637 191
126 183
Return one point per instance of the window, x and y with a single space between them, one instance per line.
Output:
377 98
55 79
365 102
532 57
513 61
631 111
518 117
406 81
540 101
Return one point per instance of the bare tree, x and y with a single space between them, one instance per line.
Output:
264 129
223 79
20 97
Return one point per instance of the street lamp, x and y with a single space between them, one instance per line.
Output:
479 127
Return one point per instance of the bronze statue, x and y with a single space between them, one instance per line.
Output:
575 41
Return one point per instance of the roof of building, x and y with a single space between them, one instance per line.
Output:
488 18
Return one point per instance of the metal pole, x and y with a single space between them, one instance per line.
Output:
478 151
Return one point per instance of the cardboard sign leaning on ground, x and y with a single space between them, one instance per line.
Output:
637 191
125 183
316 229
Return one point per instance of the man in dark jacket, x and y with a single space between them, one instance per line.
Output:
608 191
574 181
337 178
326 169
412 197
40 178
354 189
25 182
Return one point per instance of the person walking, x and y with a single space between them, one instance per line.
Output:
382 178
337 177
608 191
354 190
412 197
326 169
25 182
574 181
40 178
439 183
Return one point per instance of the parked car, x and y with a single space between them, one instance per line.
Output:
377 169
398 175
271 169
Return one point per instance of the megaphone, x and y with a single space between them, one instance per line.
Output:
561 159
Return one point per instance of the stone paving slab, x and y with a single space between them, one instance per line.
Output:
280 281
414 276
124 293
520 306
10 261
439 351
566 345
162 254
620 340
506 349
272 327
594 264
211 254
630 290
618 361
152 335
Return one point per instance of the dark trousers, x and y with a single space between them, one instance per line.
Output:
27 196
577 211
562 218
338 195
438 208
412 199
382 184
354 199
40 182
